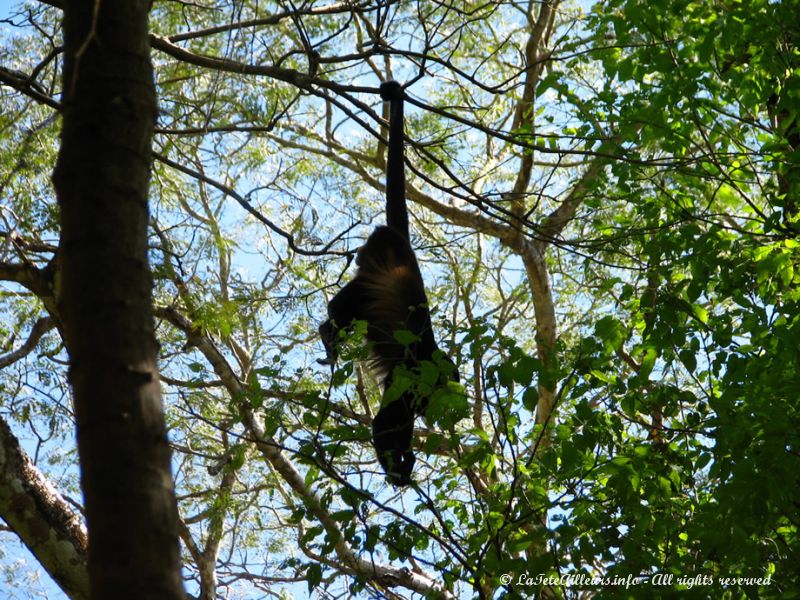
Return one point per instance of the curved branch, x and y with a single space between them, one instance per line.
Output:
38 281
242 201
297 78
39 328
23 84
41 518
331 9
555 222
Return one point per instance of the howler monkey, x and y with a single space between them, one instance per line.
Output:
388 293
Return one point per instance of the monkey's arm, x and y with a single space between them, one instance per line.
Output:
343 308
328 332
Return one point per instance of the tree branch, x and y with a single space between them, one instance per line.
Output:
39 328
41 518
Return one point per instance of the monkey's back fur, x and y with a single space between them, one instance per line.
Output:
394 300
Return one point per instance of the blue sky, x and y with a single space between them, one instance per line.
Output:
5 6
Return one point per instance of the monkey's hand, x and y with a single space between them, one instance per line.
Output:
391 90
327 332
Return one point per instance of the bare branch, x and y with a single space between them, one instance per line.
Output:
39 328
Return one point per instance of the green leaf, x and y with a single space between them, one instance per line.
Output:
313 576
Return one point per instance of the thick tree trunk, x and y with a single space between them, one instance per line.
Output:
104 298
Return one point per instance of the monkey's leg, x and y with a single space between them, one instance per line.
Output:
392 431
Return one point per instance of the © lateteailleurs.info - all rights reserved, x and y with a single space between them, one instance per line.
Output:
582 580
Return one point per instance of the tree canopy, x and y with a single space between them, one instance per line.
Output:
604 202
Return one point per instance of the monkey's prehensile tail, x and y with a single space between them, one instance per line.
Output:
396 211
